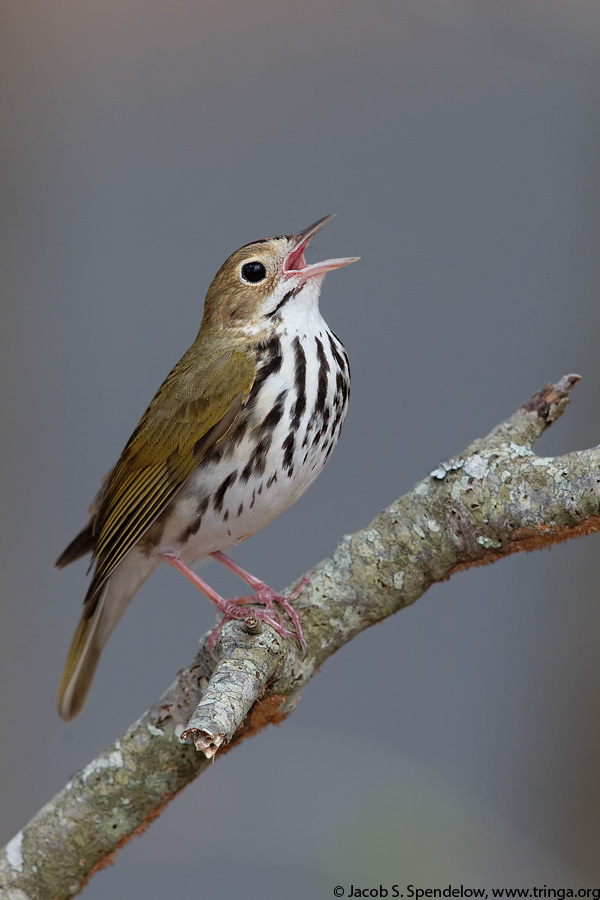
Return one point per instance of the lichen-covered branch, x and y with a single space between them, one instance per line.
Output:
496 498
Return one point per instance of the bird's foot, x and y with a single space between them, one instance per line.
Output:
267 596
242 608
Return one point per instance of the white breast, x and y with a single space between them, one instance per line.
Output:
293 419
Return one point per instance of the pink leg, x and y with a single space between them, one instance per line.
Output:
267 595
231 609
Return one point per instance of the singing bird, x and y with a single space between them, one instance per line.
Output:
240 428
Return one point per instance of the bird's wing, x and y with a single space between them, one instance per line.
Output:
195 407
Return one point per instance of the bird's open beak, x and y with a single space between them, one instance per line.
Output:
295 264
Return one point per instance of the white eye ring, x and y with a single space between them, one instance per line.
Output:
253 272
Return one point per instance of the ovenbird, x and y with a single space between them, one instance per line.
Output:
239 429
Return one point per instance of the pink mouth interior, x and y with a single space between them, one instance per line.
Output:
295 261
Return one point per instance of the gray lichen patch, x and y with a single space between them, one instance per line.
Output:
422 488
398 580
450 465
110 760
14 852
371 540
489 543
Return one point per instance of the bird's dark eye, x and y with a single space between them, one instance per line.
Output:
253 272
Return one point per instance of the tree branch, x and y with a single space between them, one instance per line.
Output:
494 499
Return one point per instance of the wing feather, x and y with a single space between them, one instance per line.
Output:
193 410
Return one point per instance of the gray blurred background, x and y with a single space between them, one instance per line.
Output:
459 141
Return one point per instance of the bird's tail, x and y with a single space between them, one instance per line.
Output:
101 613
82 660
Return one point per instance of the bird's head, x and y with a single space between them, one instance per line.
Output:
259 280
